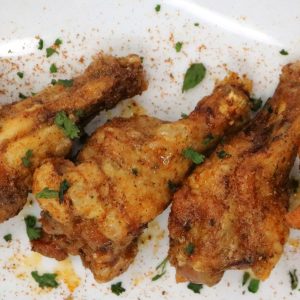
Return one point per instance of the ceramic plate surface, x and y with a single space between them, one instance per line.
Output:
238 35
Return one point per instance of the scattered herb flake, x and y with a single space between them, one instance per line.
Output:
8 237
63 187
22 96
67 125
157 8
178 46
45 280
208 139
253 285
117 288
53 68
53 81
184 116
134 171
196 157
58 42
50 51
196 24
33 232
283 52
26 159
46 193
195 287
79 113
65 82
255 104
246 277
41 44
20 74
223 154
189 249
193 76
293 279
162 269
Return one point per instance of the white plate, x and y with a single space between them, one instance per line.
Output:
243 36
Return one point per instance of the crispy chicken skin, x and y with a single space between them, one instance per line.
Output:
229 214
29 124
122 181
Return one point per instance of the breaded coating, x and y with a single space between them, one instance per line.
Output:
124 178
230 213
28 133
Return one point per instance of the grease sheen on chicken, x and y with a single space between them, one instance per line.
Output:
29 125
230 212
122 181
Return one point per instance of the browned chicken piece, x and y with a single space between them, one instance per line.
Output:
230 212
124 178
29 131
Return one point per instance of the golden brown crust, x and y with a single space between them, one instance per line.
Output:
232 209
29 124
121 181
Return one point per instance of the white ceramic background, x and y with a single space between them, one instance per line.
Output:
243 36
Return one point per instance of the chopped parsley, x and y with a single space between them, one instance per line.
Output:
45 280
195 287
189 249
173 187
208 139
157 8
293 279
33 232
58 42
135 171
53 68
223 154
184 116
50 51
246 277
117 288
178 46
193 76
196 24
26 159
8 237
253 285
46 193
255 104
283 52
67 125
162 269
22 96
20 74
53 81
41 44
65 82
79 113
196 157
63 187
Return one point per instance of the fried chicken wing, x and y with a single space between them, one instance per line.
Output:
124 178
28 133
230 212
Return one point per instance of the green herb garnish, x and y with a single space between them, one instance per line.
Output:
178 46
255 104
53 81
22 96
79 113
283 52
117 288
26 159
53 68
45 280
162 269
196 24
50 51
208 139
196 157
253 285
293 279
193 76
189 249
46 193
223 154
67 125
157 8
63 187
8 237
65 82
184 116
58 42
41 44
246 277
20 74
33 232
195 287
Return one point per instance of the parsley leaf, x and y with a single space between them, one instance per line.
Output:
246 277
64 186
33 232
8 237
184 116
162 269
255 104
283 52
53 68
79 113
193 76
53 81
58 42
178 46
189 249
65 82
50 51
253 285
195 287
208 139
117 288
26 159
223 154
20 74
196 157
45 280
196 24
67 125
293 279
22 96
157 7
41 44
46 193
